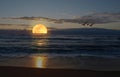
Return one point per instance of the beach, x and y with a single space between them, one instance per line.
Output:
63 62
38 72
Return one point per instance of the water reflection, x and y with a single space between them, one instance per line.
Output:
40 41
40 62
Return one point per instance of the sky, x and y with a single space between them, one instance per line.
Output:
57 9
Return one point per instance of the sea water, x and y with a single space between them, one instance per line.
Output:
61 46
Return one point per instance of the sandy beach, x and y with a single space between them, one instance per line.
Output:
35 67
38 72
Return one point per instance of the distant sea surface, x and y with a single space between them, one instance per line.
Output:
69 43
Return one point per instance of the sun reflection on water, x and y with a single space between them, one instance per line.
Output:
41 42
40 62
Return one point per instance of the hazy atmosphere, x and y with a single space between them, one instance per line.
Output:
24 14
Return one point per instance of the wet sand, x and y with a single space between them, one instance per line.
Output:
64 62
60 66
6 71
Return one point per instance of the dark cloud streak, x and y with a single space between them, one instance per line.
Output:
13 25
95 18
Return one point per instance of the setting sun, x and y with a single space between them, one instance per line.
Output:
39 29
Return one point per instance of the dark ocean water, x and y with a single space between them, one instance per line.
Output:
93 49
84 42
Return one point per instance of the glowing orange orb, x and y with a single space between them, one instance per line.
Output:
39 29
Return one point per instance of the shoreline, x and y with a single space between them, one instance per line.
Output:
9 71
60 62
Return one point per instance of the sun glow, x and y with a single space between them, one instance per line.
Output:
39 29
40 62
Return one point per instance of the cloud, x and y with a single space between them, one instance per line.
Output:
95 18
13 24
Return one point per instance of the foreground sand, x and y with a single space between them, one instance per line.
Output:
38 72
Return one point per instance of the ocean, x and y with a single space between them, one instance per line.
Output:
68 48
